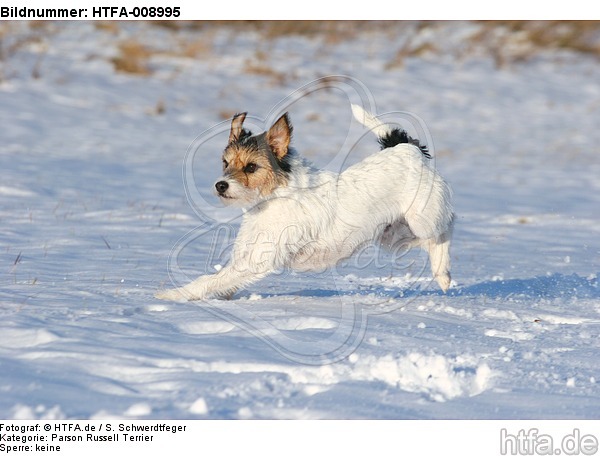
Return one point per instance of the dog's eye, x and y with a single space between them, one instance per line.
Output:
250 168
225 164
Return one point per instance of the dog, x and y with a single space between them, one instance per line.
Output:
299 217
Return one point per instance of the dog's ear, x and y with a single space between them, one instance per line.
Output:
236 126
279 136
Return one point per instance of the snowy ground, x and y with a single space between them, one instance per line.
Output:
92 201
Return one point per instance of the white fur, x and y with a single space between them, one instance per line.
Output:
394 197
370 121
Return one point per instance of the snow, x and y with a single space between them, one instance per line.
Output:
92 201
199 407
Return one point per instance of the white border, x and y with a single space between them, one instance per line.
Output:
365 10
347 438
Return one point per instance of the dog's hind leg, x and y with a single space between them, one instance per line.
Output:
439 258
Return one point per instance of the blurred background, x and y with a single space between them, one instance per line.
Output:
97 120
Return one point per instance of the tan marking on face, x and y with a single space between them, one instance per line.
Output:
267 176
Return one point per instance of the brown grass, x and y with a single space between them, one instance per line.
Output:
14 38
263 69
107 26
510 42
259 65
507 42
573 35
226 113
159 109
276 29
133 58
194 48
408 50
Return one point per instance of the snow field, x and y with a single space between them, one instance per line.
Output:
92 201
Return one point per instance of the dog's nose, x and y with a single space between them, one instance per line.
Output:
221 187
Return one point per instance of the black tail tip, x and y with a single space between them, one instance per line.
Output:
399 136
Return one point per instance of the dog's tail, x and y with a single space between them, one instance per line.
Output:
380 129
387 136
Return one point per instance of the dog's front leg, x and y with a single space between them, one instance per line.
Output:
247 266
202 287
220 285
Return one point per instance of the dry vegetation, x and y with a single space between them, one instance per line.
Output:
330 31
580 36
133 58
15 37
511 42
506 42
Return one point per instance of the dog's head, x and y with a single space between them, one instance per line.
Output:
254 165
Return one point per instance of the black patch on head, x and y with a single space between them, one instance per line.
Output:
244 136
259 142
245 139
399 136
284 164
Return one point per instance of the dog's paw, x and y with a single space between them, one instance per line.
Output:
173 294
444 281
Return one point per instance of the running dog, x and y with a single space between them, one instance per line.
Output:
303 218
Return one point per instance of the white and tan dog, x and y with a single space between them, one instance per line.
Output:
303 218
